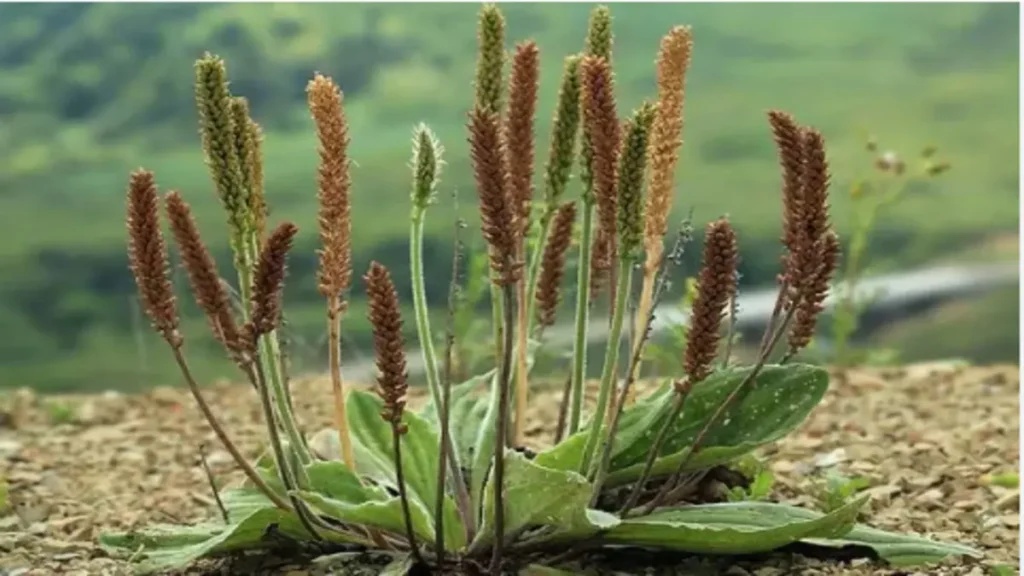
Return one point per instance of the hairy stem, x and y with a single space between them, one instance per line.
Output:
419 297
225 440
625 278
501 431
334 359
579 354
284 464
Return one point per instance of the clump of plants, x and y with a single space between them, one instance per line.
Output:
448 489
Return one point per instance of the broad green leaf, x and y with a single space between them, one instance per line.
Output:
167 547
566 455
902 550
469 402
778 400
733 528
483 448
374 451
334 480
374 447
386 514
536 496
704 458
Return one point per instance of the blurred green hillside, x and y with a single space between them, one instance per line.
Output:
90 91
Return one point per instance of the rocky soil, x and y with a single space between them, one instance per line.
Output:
932 440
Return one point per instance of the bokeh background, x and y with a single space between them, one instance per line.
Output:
89 92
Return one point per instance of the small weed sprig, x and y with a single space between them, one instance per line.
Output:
445 490
882 188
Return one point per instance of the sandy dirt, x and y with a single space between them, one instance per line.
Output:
928 437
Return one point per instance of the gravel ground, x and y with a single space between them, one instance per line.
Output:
928 437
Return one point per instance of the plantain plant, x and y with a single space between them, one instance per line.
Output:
448 489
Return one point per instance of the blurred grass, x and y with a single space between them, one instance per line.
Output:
113 91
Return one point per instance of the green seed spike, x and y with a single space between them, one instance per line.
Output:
213 100
489 78
426 164
564 130
632 164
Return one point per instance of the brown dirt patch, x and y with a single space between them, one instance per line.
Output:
926 436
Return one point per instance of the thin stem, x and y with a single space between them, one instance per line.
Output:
579 357
284 466
641 338
419 297
444 416
730 331
646 305
269 365
501 431
698 441
334 359
213 485
678 402
625 278
403 496
497 319
522 384
250 472
563 409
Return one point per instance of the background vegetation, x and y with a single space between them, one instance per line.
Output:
91 91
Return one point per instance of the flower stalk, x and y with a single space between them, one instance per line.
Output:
629 224
335 222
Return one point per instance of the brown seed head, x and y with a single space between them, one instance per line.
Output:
790 144
601 124
147 256
553 264
522 110
716 285
813 299
334 183
207 286
388 342
666 138
496 210
805 258
268 280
